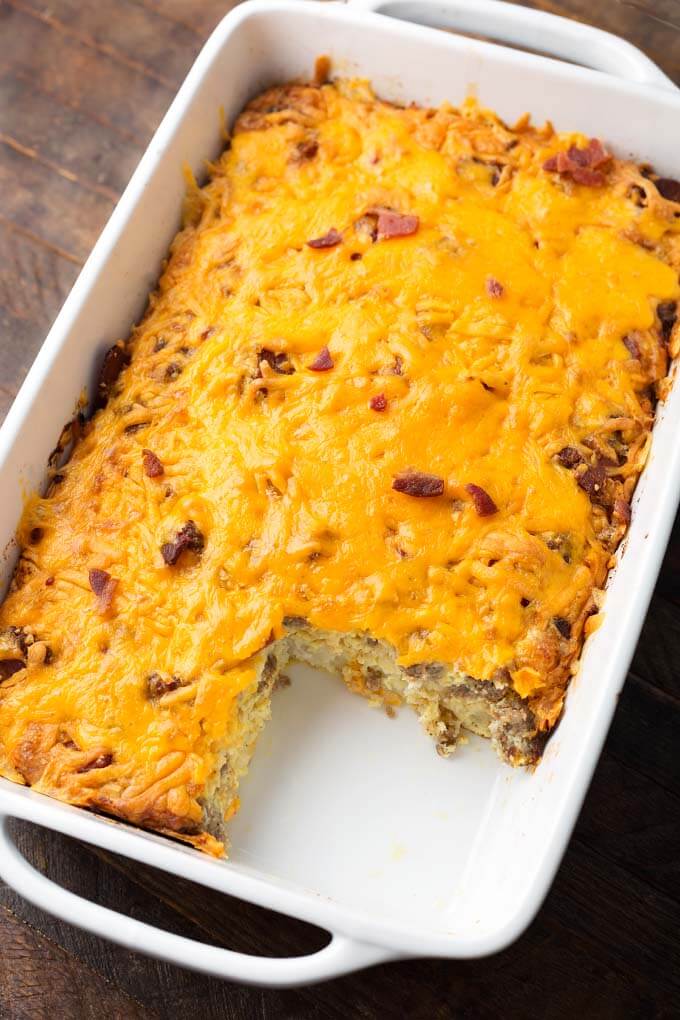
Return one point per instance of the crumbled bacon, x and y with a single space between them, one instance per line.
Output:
382 224
484 505
378 402
102 761
157 686
115 360
8 667
328 240
418 483
104 586
632 346
622 511
323 362
593 481
188 537
668 188
493 287
306 149
569 457
153 467
582 165
392 224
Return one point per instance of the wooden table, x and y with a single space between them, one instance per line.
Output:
82 87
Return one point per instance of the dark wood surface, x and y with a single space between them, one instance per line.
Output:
82 87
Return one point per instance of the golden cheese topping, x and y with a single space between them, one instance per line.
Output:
398 378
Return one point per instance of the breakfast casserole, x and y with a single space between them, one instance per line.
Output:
384 414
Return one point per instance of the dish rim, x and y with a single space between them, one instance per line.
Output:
388 939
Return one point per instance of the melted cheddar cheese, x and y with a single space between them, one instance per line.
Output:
521 318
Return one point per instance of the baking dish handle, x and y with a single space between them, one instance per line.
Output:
528 28
341 956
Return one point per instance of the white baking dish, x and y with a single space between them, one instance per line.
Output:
349 820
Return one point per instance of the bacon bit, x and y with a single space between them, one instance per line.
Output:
418 483
622 511
115 360
668 188
8 667
378 402
323 362
632 346
207 333
328 240
355 256
306 149
156 686
589 178
153 467
563 626
49 581
102 761
592 481
581 164
392 224
484 505
104 586
494 288
189 537
569 457
398 366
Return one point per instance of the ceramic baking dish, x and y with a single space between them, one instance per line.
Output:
349 820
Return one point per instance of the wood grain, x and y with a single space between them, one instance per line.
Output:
29 962
82 87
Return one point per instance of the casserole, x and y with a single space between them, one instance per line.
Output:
453 876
